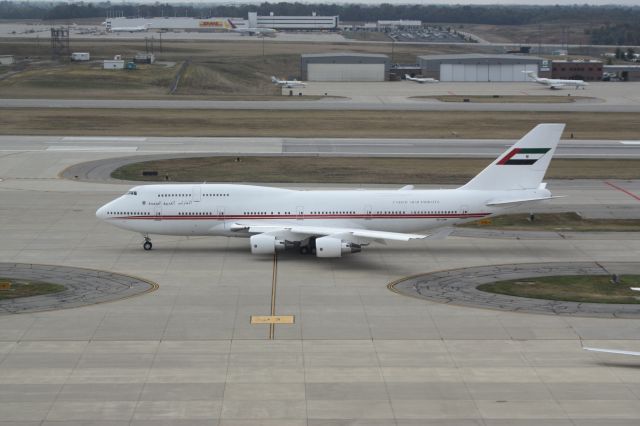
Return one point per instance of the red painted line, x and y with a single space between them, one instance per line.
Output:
629 193
309 217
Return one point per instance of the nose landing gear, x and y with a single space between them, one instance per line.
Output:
147 243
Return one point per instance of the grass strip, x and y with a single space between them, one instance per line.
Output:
357 170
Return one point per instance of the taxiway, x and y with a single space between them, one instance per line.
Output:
357 353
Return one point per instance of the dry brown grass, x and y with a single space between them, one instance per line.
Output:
506 99
305 123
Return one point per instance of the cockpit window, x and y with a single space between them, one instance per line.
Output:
132 193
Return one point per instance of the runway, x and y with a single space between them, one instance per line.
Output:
389 95
323 104
356 353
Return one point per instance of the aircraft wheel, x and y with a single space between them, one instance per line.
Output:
147 245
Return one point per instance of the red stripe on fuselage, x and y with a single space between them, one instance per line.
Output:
318 216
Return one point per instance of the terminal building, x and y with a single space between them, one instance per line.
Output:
478 67
577 70
297 23
344 67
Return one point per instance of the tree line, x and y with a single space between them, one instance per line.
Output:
617 24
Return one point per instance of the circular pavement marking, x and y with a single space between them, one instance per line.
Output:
458 287
84 287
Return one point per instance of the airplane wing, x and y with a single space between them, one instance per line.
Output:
301 232
612 351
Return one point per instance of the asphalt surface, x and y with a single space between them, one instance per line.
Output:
324 104
83 287
459 287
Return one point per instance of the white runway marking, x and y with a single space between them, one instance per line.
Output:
103 138
94 148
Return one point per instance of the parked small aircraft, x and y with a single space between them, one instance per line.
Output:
420 80
555 83
289 84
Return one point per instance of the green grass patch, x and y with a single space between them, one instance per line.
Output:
367 170
571 288
12 288
568 221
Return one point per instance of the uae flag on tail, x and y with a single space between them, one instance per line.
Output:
520 156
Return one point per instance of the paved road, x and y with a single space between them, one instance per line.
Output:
324 104
486 148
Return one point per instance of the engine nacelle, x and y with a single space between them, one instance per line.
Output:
334 247
265 244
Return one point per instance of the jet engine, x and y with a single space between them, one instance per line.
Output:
334 247
266 244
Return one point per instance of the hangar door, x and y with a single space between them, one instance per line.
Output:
486 72
345 72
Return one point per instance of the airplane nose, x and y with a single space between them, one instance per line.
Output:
101 213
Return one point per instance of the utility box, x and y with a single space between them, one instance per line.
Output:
144 58
131 65
7 60
113 64
80 56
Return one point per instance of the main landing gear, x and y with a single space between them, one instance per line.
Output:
147 243
309 248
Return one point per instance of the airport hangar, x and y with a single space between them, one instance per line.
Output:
482 67
344 67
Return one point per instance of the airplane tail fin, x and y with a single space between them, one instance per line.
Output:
522 166
231 24
274 79
531 74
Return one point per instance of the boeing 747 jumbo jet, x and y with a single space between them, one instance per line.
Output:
331 223
555 83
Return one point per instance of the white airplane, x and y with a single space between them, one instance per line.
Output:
289 84
331 223
555 83
138 29
420 79
251 31
612 351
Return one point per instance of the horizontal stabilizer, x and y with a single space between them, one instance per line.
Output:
521 200
612 351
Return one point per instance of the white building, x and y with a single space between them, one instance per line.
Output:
312 22
7 60
80 56
113 64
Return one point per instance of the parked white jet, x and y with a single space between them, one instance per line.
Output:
289 84
138 29
420 80
251 30
330 223
612 351
555 83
